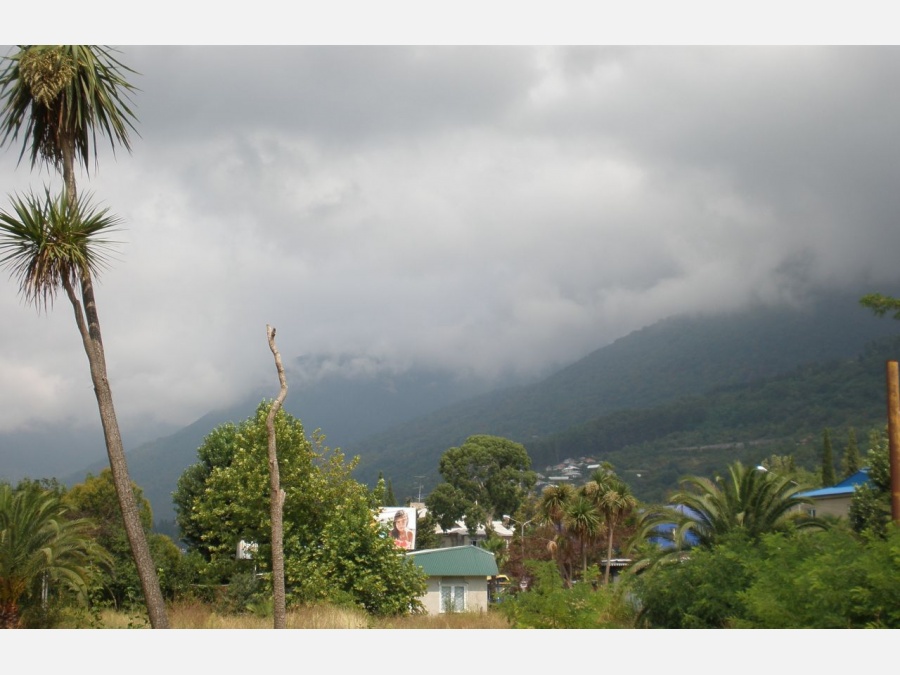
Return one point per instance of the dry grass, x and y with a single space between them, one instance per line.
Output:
196 615
464 621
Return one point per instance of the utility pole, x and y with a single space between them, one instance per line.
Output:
419 481
893 397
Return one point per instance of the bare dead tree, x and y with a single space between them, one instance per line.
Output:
276 494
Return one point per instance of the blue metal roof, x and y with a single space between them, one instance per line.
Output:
845 487
664 536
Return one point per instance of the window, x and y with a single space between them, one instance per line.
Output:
453 598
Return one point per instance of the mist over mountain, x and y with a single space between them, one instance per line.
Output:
679 357
399 423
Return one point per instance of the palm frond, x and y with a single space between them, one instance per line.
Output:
63 94
36 539
46 242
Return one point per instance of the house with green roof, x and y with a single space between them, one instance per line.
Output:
457 578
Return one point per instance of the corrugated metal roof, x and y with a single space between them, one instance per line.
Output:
456 561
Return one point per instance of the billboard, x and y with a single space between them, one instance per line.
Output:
401 524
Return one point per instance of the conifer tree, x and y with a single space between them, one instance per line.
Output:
850 462
828 474
390 498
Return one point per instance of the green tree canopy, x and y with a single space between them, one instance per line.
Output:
870 506
95 500
827 579
485 477
881 304
334 549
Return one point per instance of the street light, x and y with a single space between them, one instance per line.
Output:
522 534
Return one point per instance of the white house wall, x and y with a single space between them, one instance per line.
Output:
476 593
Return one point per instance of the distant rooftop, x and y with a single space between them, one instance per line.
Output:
845 487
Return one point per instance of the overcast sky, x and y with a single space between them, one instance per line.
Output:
488 210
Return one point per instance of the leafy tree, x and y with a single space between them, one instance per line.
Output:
850 462
426 535
354 562
870 505
334 548
881 304
549 603
378 494
95 500
700 591
39 546
59 97
830 580
819 579
828 475
485 477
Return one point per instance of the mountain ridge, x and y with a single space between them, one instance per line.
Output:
677 357
674 359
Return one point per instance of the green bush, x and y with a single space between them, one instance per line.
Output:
549 604
827 579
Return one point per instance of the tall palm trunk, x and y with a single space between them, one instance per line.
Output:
89 326
609 548
583 560
9 614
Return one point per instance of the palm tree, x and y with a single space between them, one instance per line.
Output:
553 503
51 244
583 520
614 501
39 546
748 500
62 95
552 507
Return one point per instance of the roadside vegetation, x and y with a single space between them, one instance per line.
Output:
738 550
199 615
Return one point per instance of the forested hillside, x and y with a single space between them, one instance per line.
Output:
783 415
673 362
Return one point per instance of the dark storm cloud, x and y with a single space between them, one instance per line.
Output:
486 210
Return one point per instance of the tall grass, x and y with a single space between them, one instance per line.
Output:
198 615
458 621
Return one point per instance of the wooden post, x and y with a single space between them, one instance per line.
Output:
893 396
